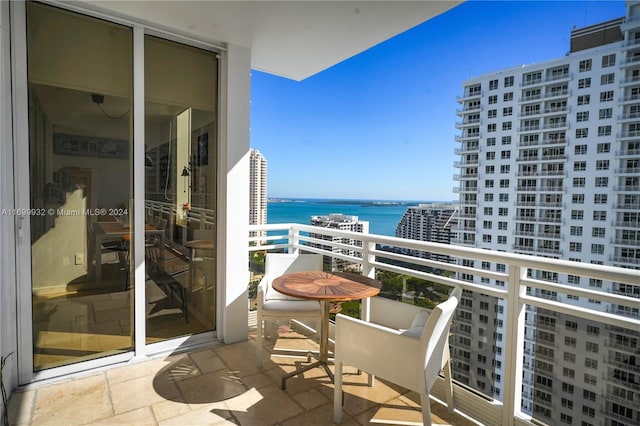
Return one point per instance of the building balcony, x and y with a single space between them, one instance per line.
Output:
632 116
465 176
469 96
627 188
628 152
556 141
211 382
467 137
626 224
627 206
557 94
630 60
627 135
465 163
629 170
466 123
468 110
544 112
531 98
629 98
466 149
625 260
633 80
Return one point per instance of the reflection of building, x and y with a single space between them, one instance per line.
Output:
257 190
428 222
341 222
549 166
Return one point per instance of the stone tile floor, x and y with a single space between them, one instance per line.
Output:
218 385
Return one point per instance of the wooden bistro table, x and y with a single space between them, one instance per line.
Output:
326 287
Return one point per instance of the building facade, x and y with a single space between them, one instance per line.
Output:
257 190
428 222
342 222
550 166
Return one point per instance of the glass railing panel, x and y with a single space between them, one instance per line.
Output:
579 370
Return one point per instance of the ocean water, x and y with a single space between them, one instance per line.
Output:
383 216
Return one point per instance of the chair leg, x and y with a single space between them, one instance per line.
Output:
259 343
183 292
449 385
337 393
425 401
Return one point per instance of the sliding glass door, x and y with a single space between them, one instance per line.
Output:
80 81
80 163
180 193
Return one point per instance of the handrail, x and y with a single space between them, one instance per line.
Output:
588 270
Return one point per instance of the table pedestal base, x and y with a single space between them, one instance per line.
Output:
323 355
318 363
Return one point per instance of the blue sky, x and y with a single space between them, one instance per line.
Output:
381 125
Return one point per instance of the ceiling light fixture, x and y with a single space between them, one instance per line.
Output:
99 100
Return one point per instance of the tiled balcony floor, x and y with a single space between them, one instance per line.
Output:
216 386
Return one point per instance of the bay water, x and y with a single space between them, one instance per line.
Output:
383 215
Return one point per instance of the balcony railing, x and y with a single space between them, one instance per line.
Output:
514 290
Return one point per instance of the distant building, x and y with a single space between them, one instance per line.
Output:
341 222
428 222
550 166
257 191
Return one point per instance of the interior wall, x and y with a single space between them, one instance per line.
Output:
106 175
91 71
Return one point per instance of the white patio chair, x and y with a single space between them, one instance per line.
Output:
275 305
411 358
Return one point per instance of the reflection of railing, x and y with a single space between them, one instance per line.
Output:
197 219
381 253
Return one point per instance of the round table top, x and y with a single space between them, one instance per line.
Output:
200 244
328 286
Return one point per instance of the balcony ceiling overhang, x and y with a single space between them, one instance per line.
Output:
293 39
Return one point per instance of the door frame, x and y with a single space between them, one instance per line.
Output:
21 191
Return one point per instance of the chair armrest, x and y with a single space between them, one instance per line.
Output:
360 337
346 324
262 290
379 350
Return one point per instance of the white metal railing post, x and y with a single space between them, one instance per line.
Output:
368 270
514 344
294 240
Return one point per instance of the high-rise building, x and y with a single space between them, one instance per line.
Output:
428 222
342 222
550 166
257 190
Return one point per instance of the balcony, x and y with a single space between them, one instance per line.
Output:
218 385
216 382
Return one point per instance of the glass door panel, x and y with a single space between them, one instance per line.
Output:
80 144
180 188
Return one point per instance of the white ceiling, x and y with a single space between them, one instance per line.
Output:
293 39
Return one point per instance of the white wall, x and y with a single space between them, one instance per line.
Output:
233 203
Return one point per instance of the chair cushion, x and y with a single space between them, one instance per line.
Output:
420 319
417 326
414 331
273 294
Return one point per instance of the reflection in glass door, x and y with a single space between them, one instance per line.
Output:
180 193
80 159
